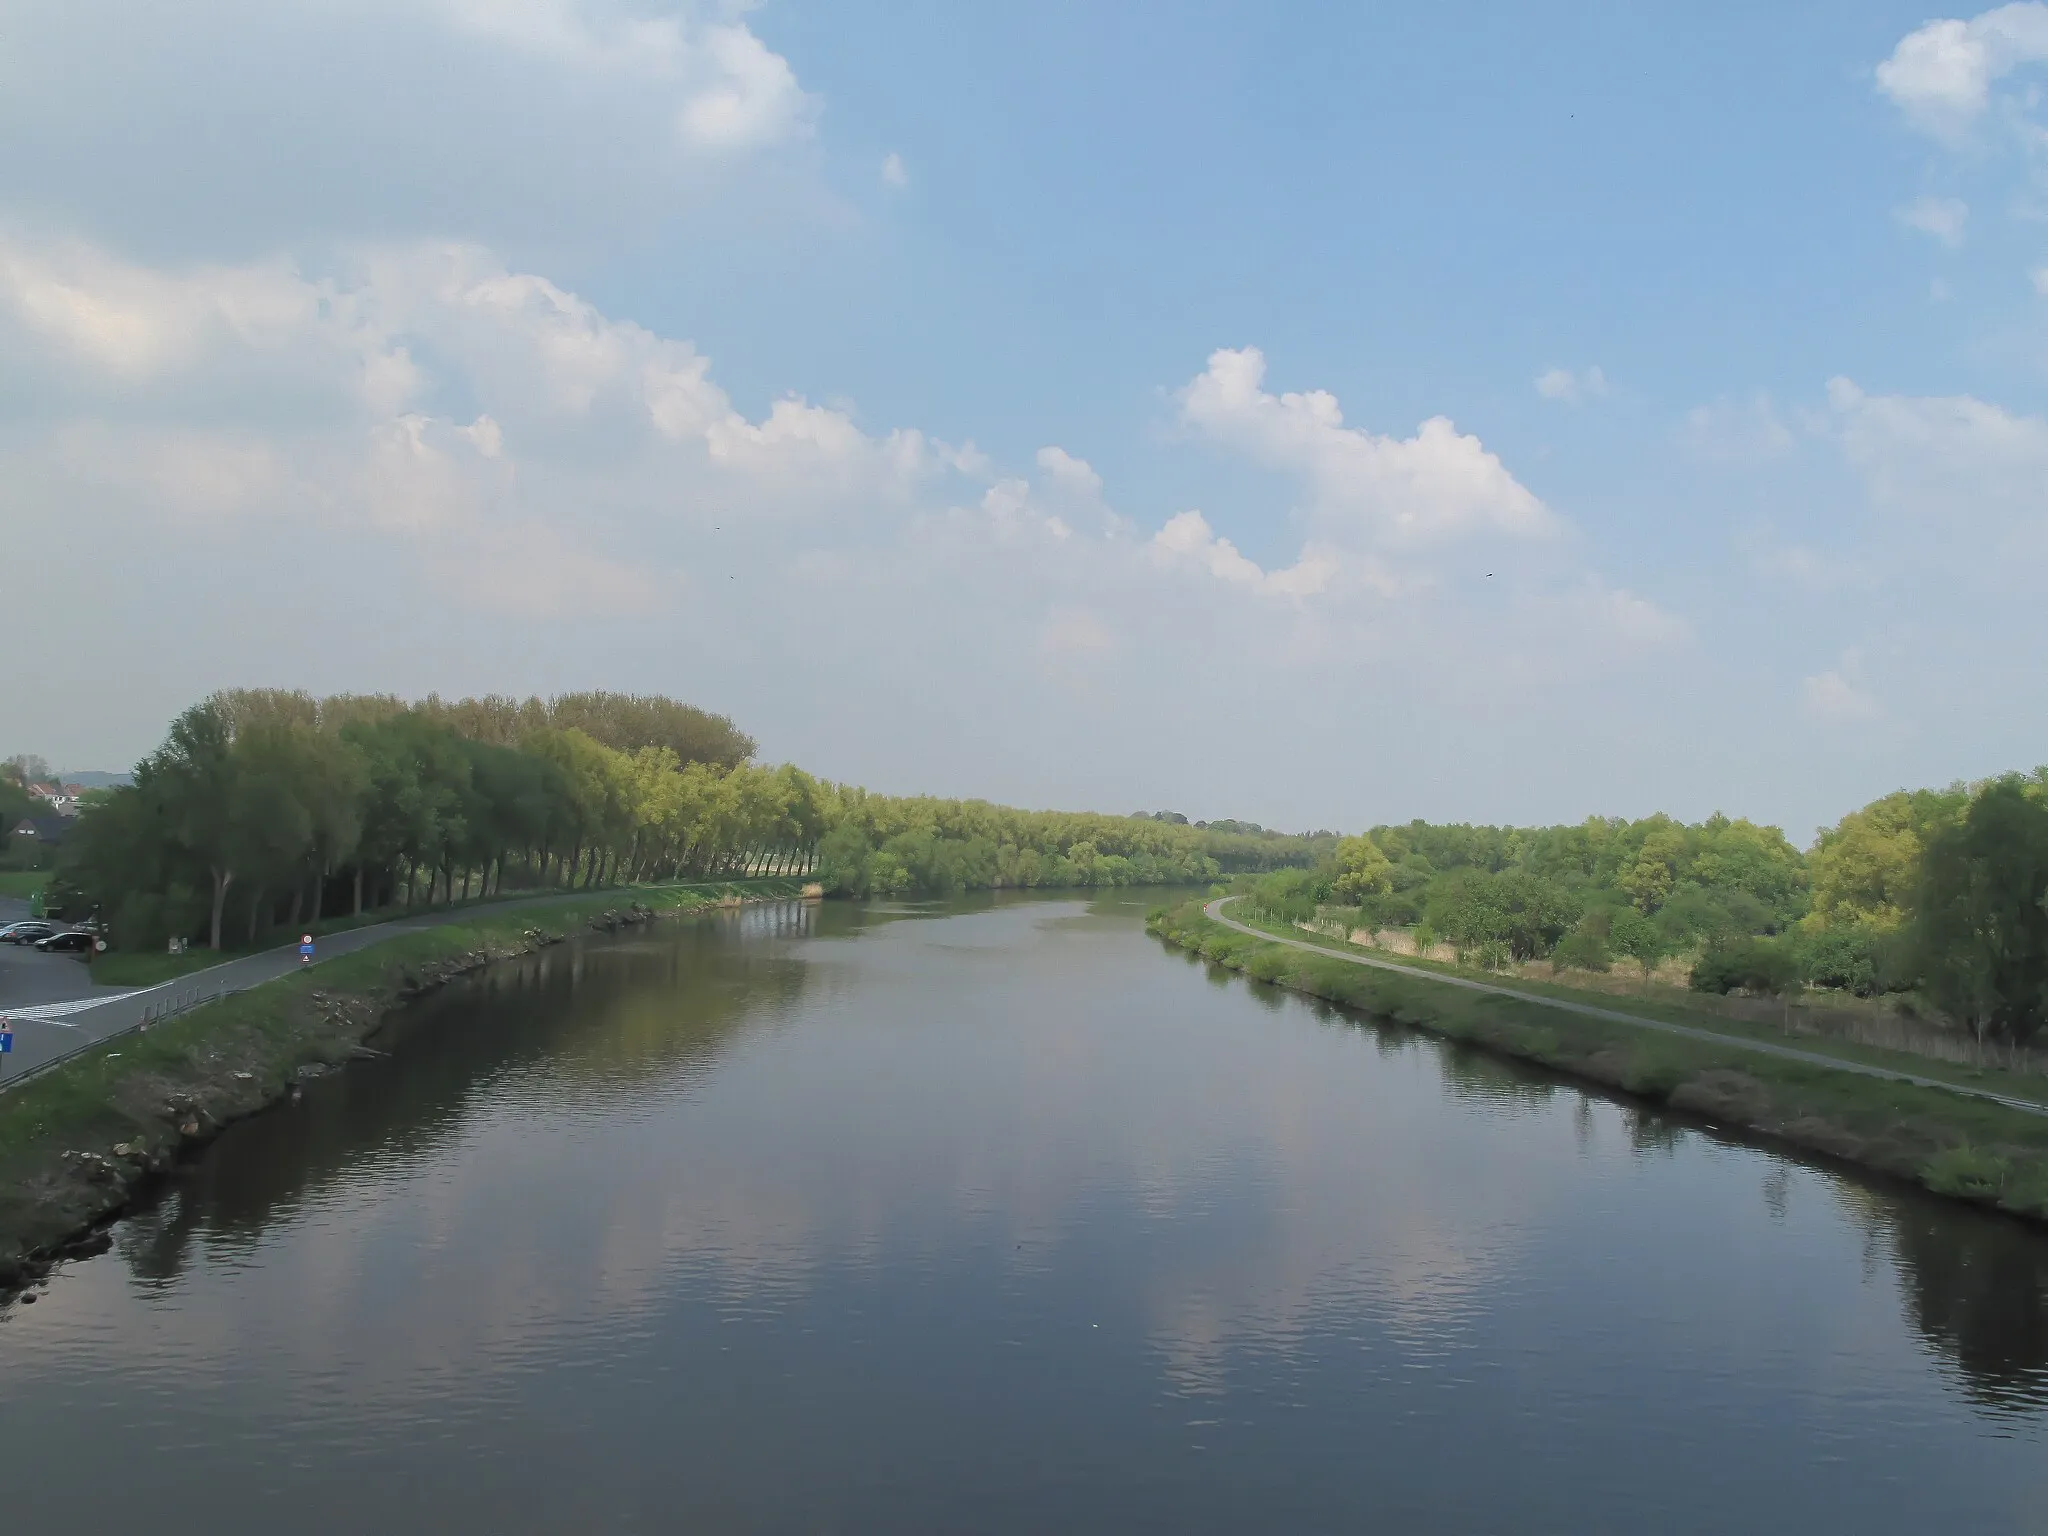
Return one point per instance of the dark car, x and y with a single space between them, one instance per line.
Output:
27 932
58 943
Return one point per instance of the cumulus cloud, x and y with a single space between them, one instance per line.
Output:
1365 489
420 439
1187 539
1076 477
1571 388
1942 74
560 393
1945 218
729 89
894 172
1955 460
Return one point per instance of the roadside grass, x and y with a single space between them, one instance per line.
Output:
146 1090
149 968
1965 1147
1990 1077
22 884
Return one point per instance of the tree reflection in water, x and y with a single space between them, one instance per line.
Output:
588 1018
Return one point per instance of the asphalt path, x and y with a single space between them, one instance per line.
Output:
1214 912
56 1024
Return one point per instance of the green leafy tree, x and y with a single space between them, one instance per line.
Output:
1363 871
1864 868
1981 930
193 783
1636 936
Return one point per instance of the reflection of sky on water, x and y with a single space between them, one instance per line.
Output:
808 1182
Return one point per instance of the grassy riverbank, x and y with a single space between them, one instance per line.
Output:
76 1142
1967 1148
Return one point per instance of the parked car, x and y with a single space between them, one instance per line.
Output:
27 932
71 940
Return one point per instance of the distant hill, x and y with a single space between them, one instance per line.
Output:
95 779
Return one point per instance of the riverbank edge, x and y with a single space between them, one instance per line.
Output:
80 1144
1966 1149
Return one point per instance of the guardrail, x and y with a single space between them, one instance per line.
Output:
152 1014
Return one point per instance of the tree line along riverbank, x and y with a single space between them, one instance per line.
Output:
1930 903
266 807
79 1142
1960 1146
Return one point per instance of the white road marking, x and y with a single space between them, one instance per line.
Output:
54 1013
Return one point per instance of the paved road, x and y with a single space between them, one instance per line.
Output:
1214 912
28 978
91 1014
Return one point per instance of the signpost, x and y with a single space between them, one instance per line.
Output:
6 1043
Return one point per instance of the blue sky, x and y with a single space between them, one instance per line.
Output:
1032 400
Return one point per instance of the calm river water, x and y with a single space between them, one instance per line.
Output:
1001 1217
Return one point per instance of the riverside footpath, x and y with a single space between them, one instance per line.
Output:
1214 912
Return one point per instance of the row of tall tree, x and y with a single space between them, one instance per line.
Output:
1943 893
265 806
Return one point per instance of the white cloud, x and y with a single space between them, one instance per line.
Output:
434 444
1956 461
893 171
1941 75
2040 275
755 98
1942 217
1366 490
1187 538
1623 617
1571 388
730 90
1832 699
1074 475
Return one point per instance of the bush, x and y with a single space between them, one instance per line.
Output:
1763 967
1845 959
1581 950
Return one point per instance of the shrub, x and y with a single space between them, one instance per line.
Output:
1581 950
1764 967
1843 958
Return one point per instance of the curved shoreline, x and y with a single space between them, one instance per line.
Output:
1986 1149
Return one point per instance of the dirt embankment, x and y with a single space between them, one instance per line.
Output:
1960 1146
78 1145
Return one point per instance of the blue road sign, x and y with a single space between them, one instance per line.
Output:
6 1041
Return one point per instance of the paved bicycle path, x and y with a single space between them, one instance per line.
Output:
1214 912
40 1039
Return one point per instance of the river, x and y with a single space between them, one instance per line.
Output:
999 1216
